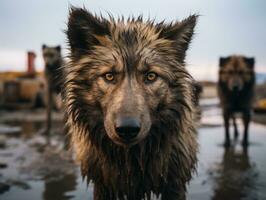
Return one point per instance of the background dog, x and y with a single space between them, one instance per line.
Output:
53 62
236 91
130 110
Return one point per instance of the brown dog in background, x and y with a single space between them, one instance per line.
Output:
236 91
53 62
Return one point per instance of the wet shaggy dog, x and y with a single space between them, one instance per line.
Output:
53 62
129 106
236 91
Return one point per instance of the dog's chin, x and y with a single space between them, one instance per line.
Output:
235 90
125 143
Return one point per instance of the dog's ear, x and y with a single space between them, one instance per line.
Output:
181 33
44 46
250 62
83 29
223 61
58 48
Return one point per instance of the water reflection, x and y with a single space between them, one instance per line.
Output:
58 189
235 176
37 161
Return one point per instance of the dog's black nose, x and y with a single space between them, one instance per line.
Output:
235 88
127 127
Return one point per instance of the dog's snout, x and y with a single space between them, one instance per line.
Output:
235 88
127 127
235 84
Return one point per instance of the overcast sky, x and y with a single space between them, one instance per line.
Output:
225 27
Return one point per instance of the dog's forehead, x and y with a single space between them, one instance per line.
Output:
242 65
132 36
132 44
51 50
236 63
134 30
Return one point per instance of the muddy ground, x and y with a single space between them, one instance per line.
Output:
34 166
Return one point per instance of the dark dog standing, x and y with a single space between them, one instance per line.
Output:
236 91
53 62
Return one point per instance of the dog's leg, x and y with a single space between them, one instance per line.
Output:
48 108
246 120
235 128
226 116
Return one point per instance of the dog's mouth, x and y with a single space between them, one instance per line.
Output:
236 89
126 140
127 143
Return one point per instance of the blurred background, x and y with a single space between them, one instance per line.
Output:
34 165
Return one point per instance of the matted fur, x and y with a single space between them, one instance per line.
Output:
163 157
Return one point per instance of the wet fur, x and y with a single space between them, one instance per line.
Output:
163 157
236 71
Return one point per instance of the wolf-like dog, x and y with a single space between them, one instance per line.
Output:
129 106
236 91
53 63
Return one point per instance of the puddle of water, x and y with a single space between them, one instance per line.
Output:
230 173
40 168
37 167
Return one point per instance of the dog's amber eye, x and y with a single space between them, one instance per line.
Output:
151 76
109 76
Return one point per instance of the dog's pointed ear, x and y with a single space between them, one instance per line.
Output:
250 61
223 61
58 48
181 33
43 46
82 30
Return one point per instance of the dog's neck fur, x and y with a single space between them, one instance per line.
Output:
236 99
53 73
141 169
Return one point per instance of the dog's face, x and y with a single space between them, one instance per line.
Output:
236 71
126 70
51 55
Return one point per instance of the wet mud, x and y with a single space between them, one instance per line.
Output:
40 167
